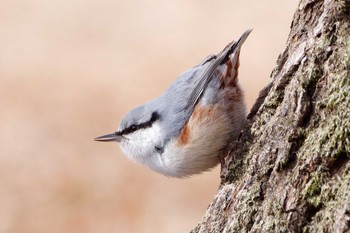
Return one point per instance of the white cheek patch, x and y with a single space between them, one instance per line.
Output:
139 145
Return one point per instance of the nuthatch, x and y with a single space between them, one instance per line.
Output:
185 130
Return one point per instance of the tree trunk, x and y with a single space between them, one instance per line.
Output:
290 169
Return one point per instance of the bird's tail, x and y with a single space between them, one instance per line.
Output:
227 71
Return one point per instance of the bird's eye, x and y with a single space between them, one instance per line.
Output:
133 127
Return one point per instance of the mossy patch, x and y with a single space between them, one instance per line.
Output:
336 198
312 190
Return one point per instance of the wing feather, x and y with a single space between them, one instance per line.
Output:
206 74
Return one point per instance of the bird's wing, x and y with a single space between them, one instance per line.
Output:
205 75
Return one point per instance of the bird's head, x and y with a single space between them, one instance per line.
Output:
138 133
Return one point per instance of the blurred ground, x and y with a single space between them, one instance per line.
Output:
69 71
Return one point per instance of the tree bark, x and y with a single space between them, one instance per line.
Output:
289 171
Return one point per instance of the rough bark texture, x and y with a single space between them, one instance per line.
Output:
290 169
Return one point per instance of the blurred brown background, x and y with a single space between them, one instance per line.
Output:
69 71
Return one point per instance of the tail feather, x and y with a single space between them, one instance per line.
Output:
206 74
227 71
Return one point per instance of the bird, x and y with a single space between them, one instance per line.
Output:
185 130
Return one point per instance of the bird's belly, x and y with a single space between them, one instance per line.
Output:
199 144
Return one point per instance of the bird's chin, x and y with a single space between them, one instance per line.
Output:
129 149
135 151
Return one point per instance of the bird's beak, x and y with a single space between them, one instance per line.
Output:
109 138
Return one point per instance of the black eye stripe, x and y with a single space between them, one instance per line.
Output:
155 116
